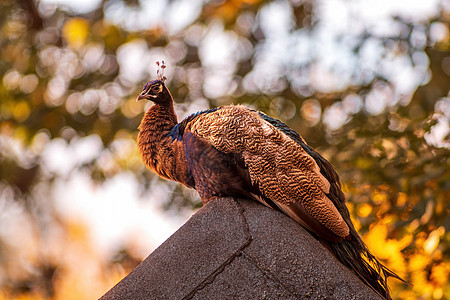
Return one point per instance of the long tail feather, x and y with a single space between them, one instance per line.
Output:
355 256
353 253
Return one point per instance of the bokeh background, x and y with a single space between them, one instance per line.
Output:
364 82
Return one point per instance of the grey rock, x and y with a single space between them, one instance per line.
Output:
240 249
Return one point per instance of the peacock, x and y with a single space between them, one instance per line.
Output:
236 151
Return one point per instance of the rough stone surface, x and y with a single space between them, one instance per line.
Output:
240 249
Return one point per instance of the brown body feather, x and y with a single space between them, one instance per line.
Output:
233 151
284 172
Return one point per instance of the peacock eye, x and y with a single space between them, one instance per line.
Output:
156 88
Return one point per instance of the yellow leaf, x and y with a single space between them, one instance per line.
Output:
402 198
21 133
75 31
431 242
251 1
405 241
376 238
379 197
440 273
418 262
21 111
438 293
364 210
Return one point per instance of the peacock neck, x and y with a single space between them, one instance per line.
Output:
159 118
154 141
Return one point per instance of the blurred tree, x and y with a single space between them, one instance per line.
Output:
370 92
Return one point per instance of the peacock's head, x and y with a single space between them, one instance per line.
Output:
155 91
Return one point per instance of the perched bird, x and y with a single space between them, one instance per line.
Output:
235 151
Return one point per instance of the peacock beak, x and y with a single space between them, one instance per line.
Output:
145 95
141 96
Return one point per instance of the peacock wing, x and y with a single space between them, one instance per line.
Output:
283 171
